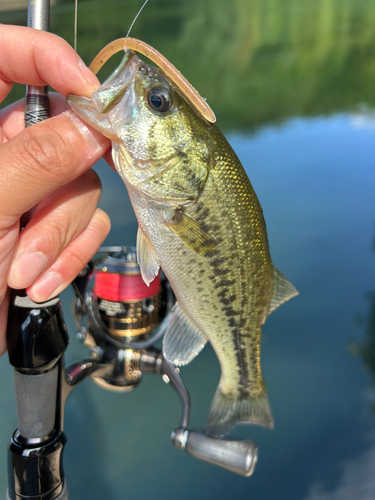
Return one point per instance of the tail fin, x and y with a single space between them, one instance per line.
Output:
228 411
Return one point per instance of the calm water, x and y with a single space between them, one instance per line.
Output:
292 85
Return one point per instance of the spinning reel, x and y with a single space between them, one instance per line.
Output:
119 319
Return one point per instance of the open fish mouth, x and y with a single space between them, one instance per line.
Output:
104 108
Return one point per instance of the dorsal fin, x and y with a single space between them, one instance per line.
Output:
282 290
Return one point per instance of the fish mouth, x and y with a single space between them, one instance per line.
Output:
97 111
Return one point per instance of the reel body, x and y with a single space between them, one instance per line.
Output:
122 312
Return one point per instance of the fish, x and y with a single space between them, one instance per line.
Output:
201 222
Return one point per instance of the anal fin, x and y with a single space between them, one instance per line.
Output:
182 341
282 291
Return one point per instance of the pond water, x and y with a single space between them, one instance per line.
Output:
292 85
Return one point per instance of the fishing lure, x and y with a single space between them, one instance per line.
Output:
174 77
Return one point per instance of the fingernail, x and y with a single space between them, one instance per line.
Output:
26 268
88 74
47 286
93 138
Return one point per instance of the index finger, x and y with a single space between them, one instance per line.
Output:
34 57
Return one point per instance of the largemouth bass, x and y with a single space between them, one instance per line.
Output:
201 222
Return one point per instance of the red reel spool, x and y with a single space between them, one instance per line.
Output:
128 307
124 288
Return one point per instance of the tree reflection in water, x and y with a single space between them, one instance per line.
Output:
365 349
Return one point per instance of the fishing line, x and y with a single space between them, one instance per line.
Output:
181 85
134 20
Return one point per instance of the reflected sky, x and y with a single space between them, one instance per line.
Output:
320 217
297 107
356 481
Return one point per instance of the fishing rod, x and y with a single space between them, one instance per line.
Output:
37 101
34 453
119 320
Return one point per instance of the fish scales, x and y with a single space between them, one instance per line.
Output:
200 220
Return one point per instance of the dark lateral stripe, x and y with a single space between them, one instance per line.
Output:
235 318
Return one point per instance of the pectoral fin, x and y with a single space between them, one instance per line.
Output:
182 341
146 257
191 233
282 291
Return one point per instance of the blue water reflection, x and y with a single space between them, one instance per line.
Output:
316 182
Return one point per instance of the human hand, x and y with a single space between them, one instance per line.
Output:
46 166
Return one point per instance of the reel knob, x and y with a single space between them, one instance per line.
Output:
239 456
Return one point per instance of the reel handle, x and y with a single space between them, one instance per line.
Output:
239 456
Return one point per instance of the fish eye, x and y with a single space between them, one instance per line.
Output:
159 99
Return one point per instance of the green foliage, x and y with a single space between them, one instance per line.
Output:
256 61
